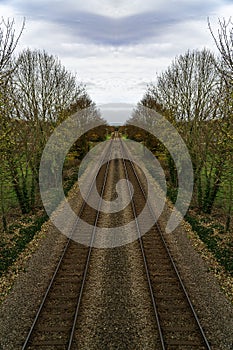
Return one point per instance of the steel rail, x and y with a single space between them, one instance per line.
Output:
89 253
143 255
26 342
206 343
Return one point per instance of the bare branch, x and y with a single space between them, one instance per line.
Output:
8 43
224 43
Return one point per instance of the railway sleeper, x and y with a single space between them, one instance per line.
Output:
63 298
59 306
45 343
53 329
178 344
57 314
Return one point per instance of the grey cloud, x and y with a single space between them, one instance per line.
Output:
120 31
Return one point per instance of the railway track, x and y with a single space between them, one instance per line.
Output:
56 320
54 323
177 322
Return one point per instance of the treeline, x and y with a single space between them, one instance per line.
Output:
195 93
36 94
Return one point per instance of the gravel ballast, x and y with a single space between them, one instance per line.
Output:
116 310
19 308
211 304
110 268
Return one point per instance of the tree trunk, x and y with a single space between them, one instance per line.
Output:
172 170
4 221
23 203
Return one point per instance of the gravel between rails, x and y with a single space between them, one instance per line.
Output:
116 310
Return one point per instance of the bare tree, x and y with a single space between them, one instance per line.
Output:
224 43
39 91
188 94
8 42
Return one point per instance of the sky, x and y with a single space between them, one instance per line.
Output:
116 47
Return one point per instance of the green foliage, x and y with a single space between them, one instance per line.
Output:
69 182
172 193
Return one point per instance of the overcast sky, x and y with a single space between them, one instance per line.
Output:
116 47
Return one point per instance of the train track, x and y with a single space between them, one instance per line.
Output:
178 324
56 320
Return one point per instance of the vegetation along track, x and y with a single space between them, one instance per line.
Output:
177 323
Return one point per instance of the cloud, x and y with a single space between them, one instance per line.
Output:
81 21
